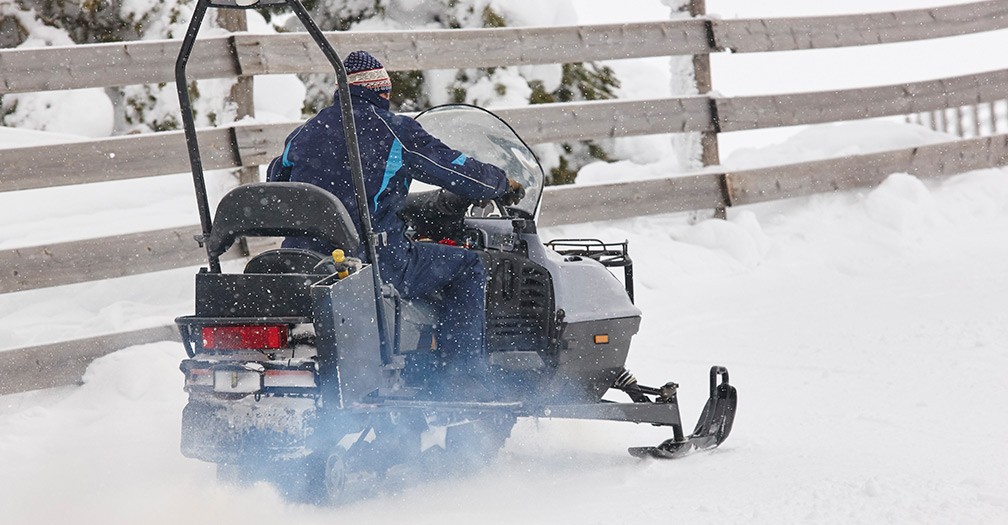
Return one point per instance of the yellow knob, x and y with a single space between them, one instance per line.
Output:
338 256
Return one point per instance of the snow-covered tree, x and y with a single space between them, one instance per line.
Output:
153 107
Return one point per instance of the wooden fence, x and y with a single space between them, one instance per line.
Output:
248 145
972 120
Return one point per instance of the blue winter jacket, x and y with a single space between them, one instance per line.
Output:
394 150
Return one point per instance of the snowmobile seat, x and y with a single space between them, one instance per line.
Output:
281 209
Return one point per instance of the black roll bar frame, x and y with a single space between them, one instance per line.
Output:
349 129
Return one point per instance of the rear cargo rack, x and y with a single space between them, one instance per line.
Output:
609 254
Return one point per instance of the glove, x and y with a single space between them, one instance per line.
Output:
514 193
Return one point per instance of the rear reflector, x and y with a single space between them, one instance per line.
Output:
199 377
245 337
289 378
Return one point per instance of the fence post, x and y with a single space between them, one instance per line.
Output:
938 120
233 20
702 74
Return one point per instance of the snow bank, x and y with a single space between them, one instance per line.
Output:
741 238
841 139
80 112
84 211
904 204
16 138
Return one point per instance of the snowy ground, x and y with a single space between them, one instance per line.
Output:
864 330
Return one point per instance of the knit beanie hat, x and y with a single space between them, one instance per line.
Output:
366 71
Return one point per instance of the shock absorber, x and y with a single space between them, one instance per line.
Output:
625 380
628 383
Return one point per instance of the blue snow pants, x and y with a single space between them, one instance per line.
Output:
454 281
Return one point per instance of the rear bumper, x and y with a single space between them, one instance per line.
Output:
241 410
239 430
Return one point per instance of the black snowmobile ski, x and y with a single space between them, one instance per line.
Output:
711 430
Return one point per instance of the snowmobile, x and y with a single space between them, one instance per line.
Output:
308 370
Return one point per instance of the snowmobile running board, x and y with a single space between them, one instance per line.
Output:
711 430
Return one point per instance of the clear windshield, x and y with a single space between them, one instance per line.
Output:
485 137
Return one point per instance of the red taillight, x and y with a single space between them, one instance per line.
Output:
245 337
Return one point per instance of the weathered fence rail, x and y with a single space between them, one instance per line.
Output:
247 145
118 64
792 34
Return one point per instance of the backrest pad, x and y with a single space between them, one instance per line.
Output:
281 209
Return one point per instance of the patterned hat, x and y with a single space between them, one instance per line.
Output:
366 71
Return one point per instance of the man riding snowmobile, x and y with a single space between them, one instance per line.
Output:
394 150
